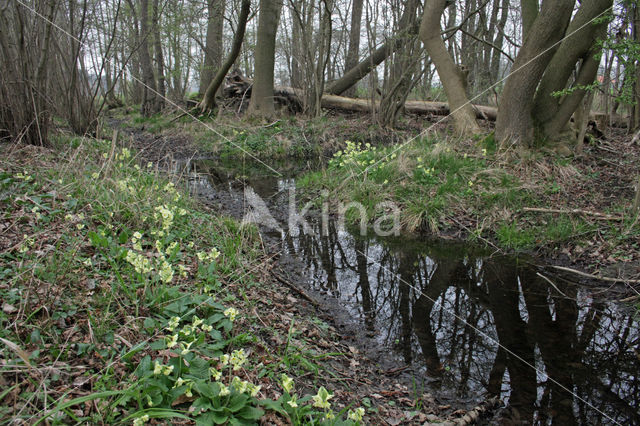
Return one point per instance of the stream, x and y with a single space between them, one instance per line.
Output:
464 320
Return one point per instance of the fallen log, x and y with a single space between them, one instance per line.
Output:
239 87
342 103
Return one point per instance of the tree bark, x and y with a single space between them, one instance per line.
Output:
209 100
262 93
148 79
404 64
515 122
529 10
358 72
579 46
354 41
157 42
213 44
450 75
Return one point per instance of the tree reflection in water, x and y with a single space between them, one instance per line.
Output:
443 308
446 306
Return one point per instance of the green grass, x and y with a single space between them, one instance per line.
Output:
438 186
118 288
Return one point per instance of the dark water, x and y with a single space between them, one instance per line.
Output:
468 322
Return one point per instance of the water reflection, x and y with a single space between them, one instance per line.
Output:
478 324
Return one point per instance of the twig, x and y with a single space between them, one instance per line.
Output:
295 288
598 215
180 116
551 282
596 277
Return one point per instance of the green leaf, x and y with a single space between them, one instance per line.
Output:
75 401
144 367
272 405
218 418
199 368
208 389
201 404
97 240
157 345
250 413
237 401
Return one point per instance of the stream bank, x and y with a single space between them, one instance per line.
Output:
518 331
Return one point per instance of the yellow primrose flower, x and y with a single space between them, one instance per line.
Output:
224 359
215 374
356 415
237 359
321 399
239 385
253 389
167 369
185 348
224 391
157 369
231 313
287 383
196 321
139 421
173 323
166 272
293 402
171 341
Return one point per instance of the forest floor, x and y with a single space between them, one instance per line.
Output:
572 212
116 308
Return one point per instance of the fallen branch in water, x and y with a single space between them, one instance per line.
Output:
596 277
598 215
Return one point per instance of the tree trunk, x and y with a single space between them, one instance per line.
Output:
148 79
262 93
354 41
636 38
552 113
209 100
451 76
529 10
401 78
515 121
213 44
157 42
358 72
